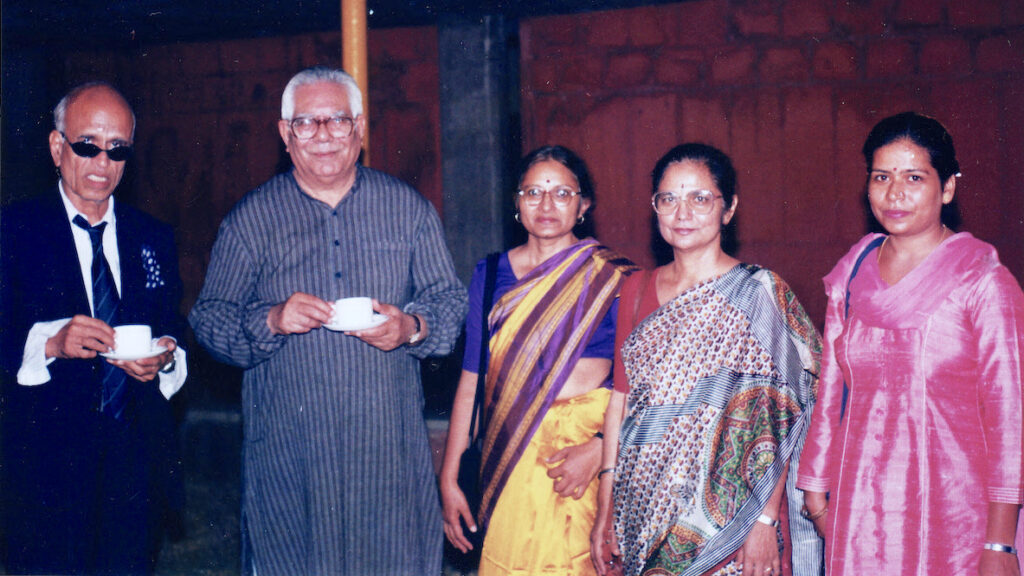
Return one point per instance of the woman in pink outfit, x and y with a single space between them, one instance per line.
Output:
917 434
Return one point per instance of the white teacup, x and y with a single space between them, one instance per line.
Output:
132 339
355 311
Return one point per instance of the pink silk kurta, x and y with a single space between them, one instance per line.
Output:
933 427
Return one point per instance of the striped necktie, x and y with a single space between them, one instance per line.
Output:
105 301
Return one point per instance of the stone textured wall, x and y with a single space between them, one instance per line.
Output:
790 90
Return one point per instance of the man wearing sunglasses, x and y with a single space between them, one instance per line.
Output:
88 436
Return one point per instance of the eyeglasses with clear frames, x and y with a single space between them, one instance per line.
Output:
338 126
534 195
700 202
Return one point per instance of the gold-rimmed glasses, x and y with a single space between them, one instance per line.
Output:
700 202
534 195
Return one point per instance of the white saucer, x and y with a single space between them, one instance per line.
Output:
154 351
348 326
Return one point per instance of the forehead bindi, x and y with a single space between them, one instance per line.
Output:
687 175
902 156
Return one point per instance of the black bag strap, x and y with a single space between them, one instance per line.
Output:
490 279
856 266
846 307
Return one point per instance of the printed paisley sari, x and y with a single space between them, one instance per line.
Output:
718 380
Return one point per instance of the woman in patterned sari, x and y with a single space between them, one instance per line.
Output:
710 396
548 379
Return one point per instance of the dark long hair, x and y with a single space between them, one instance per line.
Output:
717 162
925 131
722 172
577 166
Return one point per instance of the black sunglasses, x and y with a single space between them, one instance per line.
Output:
89 150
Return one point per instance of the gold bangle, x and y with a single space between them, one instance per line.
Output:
812 517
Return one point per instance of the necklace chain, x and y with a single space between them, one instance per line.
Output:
942 238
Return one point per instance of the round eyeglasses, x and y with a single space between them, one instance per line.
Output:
700 202
338 126
534 195
118 153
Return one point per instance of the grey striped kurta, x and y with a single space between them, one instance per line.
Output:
337 475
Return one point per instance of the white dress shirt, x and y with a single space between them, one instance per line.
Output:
34 363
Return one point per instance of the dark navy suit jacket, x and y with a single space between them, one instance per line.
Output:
53 444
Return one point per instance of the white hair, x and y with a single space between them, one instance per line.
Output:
60 111
315 76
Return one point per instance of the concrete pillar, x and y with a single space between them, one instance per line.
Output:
480 135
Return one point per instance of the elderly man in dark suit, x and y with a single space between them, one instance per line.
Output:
88 441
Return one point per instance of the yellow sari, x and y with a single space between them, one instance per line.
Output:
533 530
539 330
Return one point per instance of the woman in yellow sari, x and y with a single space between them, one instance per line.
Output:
548 380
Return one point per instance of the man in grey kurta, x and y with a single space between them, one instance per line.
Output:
338 477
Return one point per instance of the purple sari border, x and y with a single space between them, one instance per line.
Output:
533 362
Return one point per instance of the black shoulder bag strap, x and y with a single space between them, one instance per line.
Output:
856 266
846 306
490 279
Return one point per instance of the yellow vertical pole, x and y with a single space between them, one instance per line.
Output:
353 57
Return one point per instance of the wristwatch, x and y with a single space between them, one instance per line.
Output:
415 338
169 367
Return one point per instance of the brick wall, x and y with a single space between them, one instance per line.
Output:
207 122
790 90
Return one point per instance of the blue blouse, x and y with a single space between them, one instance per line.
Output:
601 345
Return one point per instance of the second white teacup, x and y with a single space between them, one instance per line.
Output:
358 310
132 339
